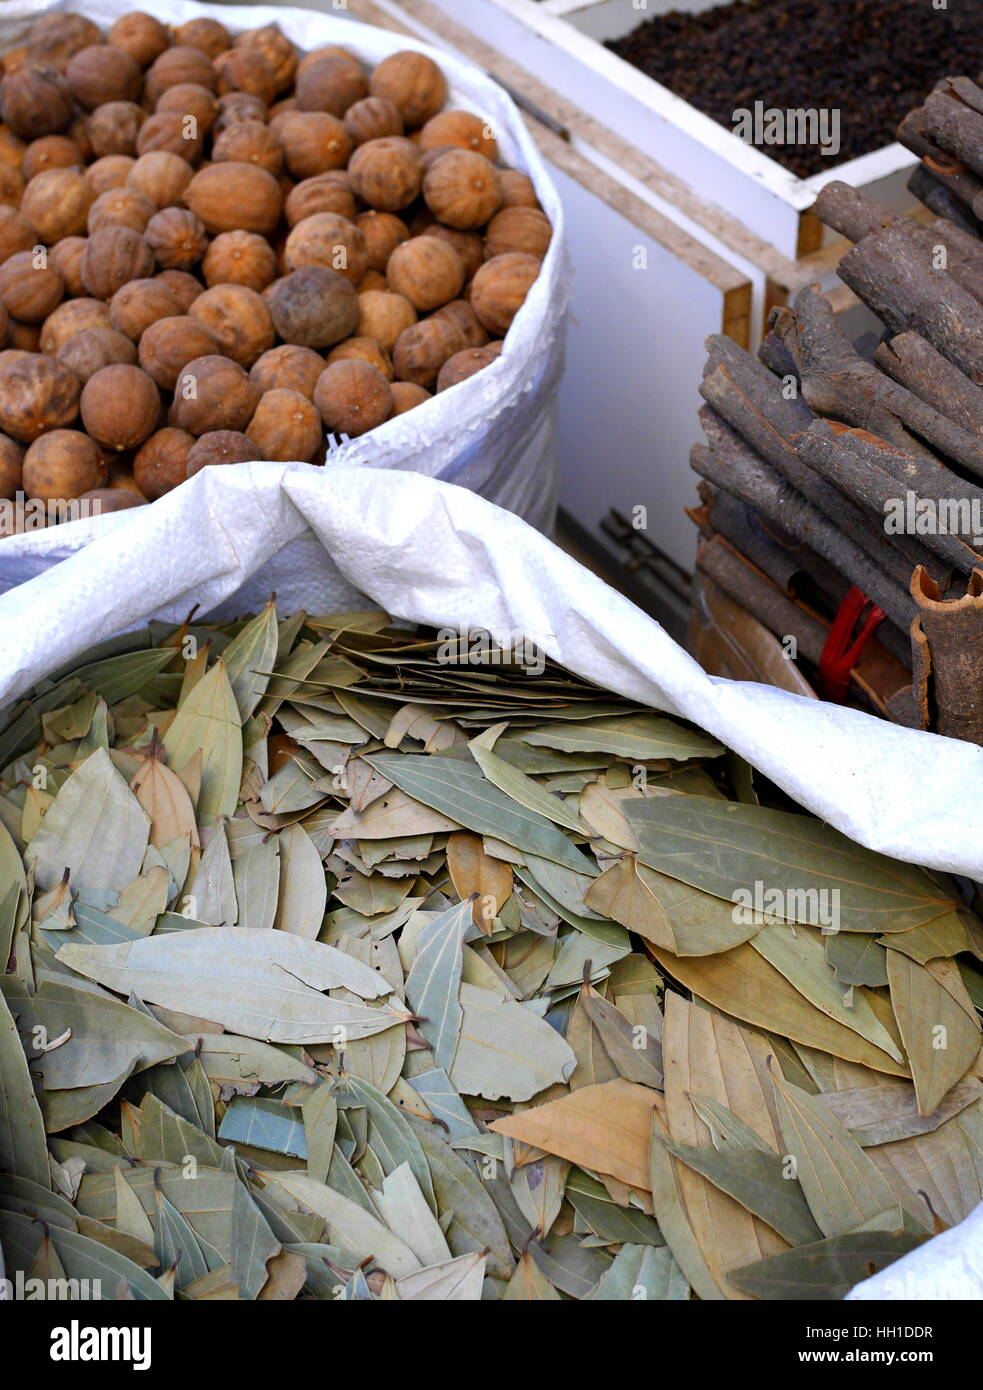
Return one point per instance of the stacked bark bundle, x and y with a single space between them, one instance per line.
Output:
842 501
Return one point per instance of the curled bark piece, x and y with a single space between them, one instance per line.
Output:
840 384
916 364
896 276
894 269
938 195
729 464
745 394
955 124
879 476
947 646
949 171
851 213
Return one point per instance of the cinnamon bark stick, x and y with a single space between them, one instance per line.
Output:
745 394
947 644
954 120
840 384
912 360
893 268
878 477
730 464
763 599
878 674
949 171
787 561
943 200
896 277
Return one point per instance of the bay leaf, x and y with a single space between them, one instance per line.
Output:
403 1207
248 658
206 1203
22 1143
212 895
303 893
348 1223
176 1244
264 1123
842 1186
636 1055
476 875
229 1060
320 1114
672 1216
757 1181
434 983
455 1281
638 736
208 723
707 1055
165 800
106 1039
131 1219
476 1226
256 1250
887 1112
642 1272
528 1284
517 785
538 1189
941 1038
857 959
744 984
118 677
945 936
81 1258
390 1134
96 829
594 1066
610 1222
945 1165
826 1269
727 848
260 983
666 911
437 1091
603 1128
801 959
256 880
460 790
504 1049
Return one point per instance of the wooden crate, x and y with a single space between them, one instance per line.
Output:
562 42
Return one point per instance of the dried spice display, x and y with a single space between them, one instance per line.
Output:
345 961
843 495
868 60
178 206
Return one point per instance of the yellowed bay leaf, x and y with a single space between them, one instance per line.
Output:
706 1055
473 871
605 1128
742 983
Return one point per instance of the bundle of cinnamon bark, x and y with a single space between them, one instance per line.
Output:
842 492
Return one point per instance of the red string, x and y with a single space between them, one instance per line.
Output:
841 654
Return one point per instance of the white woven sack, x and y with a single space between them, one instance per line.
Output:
493 434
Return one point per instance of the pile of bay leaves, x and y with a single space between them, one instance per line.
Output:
340 963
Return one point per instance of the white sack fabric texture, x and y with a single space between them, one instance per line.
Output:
493 433
432 553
